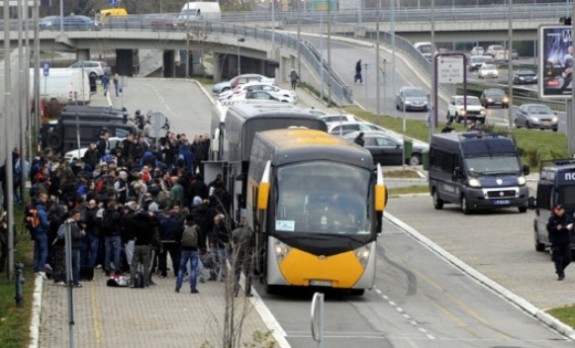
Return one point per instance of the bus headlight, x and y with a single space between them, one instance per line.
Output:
474 182
521 181
362 255
280 250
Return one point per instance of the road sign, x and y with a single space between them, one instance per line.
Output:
450 70
46 69
157 123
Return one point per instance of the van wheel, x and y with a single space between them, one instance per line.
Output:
522 209
465 205
54 141
415 160
555 129
437 202
540 247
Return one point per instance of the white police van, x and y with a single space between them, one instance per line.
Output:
556 186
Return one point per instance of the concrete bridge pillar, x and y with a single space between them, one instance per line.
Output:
169 66
83 54
217 67
125 62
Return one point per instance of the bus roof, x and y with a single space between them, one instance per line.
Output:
300 144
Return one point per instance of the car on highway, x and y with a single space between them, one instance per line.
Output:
259 86
493 49
477 51
92 67
472 111
487 70
525 77
343 128
239 80
387 148
494 96
536 116
475 62
411 98
69 23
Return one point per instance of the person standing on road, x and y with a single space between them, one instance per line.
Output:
357 76
293 76
559 227
116 82
105 83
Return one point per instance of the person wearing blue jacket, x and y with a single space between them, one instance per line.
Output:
560 227
41 236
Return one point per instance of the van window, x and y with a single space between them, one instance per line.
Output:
544 200
443 161
567 197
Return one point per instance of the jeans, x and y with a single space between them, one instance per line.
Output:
76 266
223 254
129 250
186 255
90 250
173 249
40 251
113 249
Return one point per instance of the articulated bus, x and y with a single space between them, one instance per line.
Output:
313 202
242 122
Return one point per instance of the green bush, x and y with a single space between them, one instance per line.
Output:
533 157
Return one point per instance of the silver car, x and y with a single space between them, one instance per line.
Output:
411 98
536 116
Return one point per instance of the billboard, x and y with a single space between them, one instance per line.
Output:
555 61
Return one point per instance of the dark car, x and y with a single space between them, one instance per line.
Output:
387 148
411 98
69 23
494 96
525 77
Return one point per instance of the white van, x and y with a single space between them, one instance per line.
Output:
201 10
425 48
61 84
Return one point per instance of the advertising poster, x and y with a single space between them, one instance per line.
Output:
555 61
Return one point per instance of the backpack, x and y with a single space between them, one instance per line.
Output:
190 237
31 219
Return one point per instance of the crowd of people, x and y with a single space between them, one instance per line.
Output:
125 209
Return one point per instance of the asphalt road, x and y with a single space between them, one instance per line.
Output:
420 300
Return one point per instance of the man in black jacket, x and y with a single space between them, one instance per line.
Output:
560 226
76 236
111 227
144 224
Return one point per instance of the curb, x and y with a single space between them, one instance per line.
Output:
36 311
520 302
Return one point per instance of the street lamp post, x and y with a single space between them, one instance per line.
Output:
241 39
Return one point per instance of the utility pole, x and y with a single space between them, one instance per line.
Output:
377 68
8 140
510 63
328 53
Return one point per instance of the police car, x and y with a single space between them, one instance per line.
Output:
556 186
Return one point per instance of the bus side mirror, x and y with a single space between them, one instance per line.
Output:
526 170
380 191
531 202
264 188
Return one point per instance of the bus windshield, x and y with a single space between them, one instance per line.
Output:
323 197
493 165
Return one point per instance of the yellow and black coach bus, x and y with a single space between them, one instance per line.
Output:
313 201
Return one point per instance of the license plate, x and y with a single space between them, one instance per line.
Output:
320 283
501 202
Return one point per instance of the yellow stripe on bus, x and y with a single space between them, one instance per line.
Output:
342 270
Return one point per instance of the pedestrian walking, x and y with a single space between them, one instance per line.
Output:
105 83
242 245
116 82
293 76
357 76
359 139
189 243
559 227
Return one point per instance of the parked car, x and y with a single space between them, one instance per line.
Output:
72 155
69 23
487 70
536 116
525 77
342 128
92 67
477 51
264 95
411 98
387 148
259 86
457 112
240 80
340 118
494 96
